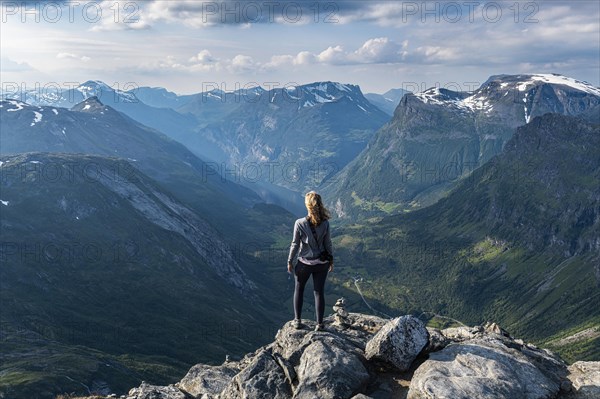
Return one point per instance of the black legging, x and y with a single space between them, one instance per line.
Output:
302 273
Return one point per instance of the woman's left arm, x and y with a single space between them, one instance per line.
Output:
294 247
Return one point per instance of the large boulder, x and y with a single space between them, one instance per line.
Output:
263 377
398 342
479 369
328 370
204 381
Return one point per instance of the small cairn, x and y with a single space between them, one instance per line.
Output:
341 315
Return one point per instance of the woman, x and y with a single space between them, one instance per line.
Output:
312 246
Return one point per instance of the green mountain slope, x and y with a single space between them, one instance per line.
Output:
107 279
517 241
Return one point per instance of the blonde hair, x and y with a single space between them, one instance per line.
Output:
316 210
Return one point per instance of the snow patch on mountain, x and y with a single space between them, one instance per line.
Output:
17 104
559 80
463 101
477 102
527 115
362 108
213 95
37 118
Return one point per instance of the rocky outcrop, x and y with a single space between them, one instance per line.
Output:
367 357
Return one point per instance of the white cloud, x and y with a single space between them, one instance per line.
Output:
429 54
204 61
243 63
304 58
380 50
71 56
204 57
333 55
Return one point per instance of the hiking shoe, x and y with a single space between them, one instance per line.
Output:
320 327
297 324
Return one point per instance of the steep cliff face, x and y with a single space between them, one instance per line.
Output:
360 357
439 135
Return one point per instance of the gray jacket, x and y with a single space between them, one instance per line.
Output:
304 244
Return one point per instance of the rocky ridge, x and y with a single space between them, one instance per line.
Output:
361 356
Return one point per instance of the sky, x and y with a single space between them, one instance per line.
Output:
190 46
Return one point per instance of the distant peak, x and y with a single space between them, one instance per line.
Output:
94 84
91 104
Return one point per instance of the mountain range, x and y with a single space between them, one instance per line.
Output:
263 139
439 136
168 255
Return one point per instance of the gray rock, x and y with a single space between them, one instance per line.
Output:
290 343
328 370
398 342
147 391
547 362
203 381
458 334
479 368
361 396
585 380
261 378
437 340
